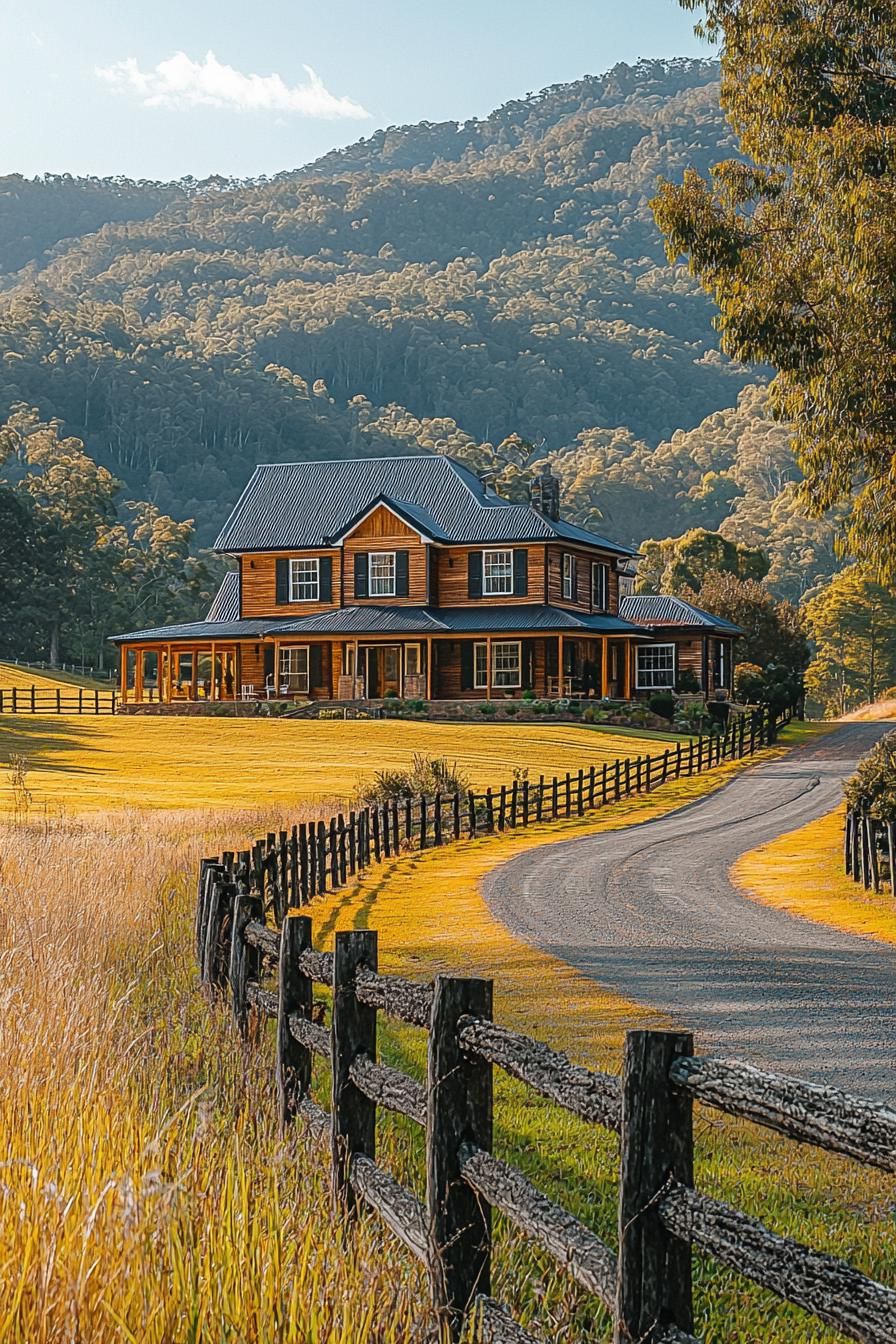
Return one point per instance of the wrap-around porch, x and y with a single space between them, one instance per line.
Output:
426 668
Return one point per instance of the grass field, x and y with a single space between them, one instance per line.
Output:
82 764
802 872
144 1192
16 674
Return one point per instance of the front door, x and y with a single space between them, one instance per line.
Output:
383 671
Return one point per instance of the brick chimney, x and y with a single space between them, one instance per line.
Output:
544 493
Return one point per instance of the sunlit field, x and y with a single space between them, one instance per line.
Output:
802 872
82 764
19 675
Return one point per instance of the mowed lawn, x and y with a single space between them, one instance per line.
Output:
78 764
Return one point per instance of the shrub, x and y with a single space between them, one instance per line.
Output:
415 706
427 775
529 695
488 707
663 704
686 682
872 788
748 683
512 708
391 695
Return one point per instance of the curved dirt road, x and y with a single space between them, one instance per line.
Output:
651 913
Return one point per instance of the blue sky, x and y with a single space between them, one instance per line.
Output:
121 86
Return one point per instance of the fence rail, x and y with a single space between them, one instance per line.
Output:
869 851
645 1280
56 700
293 866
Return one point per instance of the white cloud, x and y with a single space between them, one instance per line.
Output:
182 82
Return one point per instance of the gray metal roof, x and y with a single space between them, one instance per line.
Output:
195 630
373 620
295 505
653 609
226 604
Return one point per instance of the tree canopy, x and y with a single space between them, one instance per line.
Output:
798 245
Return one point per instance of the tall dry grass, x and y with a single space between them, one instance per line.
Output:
145 1195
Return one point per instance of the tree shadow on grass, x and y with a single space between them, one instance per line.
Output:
39 739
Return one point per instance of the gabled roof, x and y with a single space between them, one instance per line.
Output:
226 604
656 609
296 505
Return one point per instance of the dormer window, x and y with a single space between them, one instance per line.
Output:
382 573
304 580
497 573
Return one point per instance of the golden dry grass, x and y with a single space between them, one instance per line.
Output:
145 1197
18 675
84 764
802 873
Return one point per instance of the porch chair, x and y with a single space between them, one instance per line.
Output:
248 692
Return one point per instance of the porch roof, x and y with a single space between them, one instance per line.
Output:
399 621
665 610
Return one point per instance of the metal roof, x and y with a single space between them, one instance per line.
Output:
295 505
226 604
653 609
373 620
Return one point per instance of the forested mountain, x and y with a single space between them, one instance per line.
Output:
433 287
505 272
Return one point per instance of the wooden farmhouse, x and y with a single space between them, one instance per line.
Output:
409 576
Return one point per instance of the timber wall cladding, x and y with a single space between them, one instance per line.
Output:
584 560
259 584
452 568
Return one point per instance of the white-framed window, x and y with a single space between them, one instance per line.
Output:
497 573
295 667
569 577
348 660
507 665
304 580
656 667
600 586
381 573
412 660
721 668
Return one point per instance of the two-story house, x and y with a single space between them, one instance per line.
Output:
358 578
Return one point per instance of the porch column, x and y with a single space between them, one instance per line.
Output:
627 671
169 679
561 676
276 690
605 667
705 677
356 671
213 688
139 656
123 674
194 676
488 667
429 694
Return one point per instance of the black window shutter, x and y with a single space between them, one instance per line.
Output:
316 665
474 574
551 654
361 574
528 668
466 664
401 574
282 594
268 661
325 586
521 573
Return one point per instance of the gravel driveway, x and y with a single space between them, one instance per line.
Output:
651 913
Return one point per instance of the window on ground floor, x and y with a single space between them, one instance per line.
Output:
295 669
506 665
412 660
656 667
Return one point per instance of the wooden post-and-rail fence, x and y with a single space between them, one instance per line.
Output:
56 700
869 851
644 1281
290 868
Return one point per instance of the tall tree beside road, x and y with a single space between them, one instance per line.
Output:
798 246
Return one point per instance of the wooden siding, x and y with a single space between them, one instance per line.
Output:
451 587
584 560
259 585
383 524
418 568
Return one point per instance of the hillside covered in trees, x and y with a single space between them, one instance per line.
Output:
497 289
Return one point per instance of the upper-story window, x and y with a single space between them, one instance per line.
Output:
600 586
569 577
381 572
497 573
304 580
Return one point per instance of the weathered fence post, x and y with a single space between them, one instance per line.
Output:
458 1115
294 995
872 854
353 1116
471 814
245 961
653 1289
437 818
